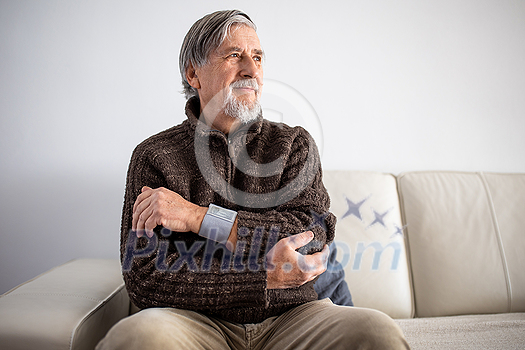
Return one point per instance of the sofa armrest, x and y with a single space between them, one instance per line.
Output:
69 307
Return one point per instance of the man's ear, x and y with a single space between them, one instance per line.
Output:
192 78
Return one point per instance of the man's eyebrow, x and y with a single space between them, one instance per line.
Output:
233 49
238 49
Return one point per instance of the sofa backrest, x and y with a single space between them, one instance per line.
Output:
431 243
369 240
466 240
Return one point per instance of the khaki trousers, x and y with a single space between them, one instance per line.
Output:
315 325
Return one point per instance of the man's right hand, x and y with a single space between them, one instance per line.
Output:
286 268
164 207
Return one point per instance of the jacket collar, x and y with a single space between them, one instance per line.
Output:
200 127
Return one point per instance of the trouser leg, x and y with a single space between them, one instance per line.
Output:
323 325
315 325
165 328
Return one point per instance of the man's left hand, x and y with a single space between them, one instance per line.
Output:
286 268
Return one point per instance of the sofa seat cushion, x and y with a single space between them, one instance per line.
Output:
69 307
496 331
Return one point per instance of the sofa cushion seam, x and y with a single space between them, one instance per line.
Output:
100 304
406 239
499 240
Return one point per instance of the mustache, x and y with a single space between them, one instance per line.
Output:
251 83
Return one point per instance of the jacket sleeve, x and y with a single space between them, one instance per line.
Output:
308 208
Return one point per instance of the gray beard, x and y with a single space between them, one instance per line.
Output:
241 111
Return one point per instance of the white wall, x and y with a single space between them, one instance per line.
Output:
396 85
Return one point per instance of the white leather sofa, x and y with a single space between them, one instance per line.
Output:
443 253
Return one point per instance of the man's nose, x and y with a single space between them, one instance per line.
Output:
250 68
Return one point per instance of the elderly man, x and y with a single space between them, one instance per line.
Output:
226 220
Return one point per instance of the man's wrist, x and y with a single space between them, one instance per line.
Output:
200 212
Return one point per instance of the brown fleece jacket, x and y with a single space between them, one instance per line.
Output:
184 270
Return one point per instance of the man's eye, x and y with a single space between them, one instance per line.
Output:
234 55
257 58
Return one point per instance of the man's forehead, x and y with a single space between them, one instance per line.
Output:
239 38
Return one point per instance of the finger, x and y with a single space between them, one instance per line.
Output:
313 277
143 213
137 211
299 240
149 225
138 207
142 202
326 253
145 192
314 263
134 219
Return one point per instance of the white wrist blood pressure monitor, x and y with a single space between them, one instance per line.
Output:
217 223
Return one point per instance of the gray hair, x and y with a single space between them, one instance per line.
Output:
207 34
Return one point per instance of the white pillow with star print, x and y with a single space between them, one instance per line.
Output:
369 238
